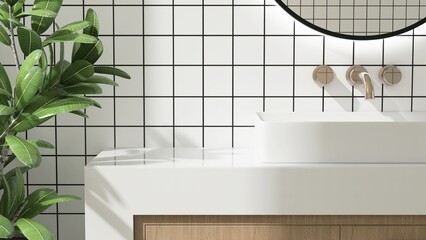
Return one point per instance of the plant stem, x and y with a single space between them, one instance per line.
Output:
13 45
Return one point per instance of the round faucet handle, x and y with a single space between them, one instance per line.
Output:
323 75
390 75
353 75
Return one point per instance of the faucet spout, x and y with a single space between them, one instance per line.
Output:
368 85
358 75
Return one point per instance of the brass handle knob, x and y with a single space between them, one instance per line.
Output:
323 75
390 75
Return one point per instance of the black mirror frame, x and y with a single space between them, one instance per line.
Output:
346 36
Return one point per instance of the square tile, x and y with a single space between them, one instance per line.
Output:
279 50
309 50
217 111
217 81
188 111
99 139
50 222
248 81
244 137
159 137
123 25
188 81
279 81
129 137
101 116
159 111
368 52
188 20
419 49
128 55
45 173
107 57
279 105
73 206
217 50
132 87
278 22
419 77
338 51
248 20
74 227
158 81
245 110
71 170
218 137
188 50
338 104
188 137
45 134
398 50
213 24
129 111
304 84
70 140
158 50
397 104
308 104
248 50
158 20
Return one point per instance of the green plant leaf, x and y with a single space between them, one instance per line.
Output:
28 40
112 71
41 144
5 93
69 36
92 17
58 199
32 207
75 26
17 189
41 24
26 89
77 72
89 52
83 88
30 61
4 80
17 8
55 75
38 13
80 113
6 228
11 2
64 106
27 121
101 80
33 230
4 36
6 110
27 153
6 197
14 171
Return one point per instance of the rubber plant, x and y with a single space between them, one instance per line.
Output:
46 85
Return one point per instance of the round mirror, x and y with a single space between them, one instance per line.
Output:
358 19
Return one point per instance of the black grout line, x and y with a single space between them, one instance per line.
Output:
143 75
174 73
233 75
203 109
294 66
264 59
114 110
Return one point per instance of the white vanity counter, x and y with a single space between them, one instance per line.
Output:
122 183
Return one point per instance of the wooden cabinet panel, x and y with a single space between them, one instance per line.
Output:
239 232
383 233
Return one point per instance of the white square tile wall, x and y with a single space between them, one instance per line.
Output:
200 69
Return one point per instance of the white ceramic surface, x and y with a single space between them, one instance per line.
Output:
346 137
122 183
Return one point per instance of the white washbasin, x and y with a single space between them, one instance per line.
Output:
391 137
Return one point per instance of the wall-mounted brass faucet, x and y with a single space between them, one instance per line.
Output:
357 75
